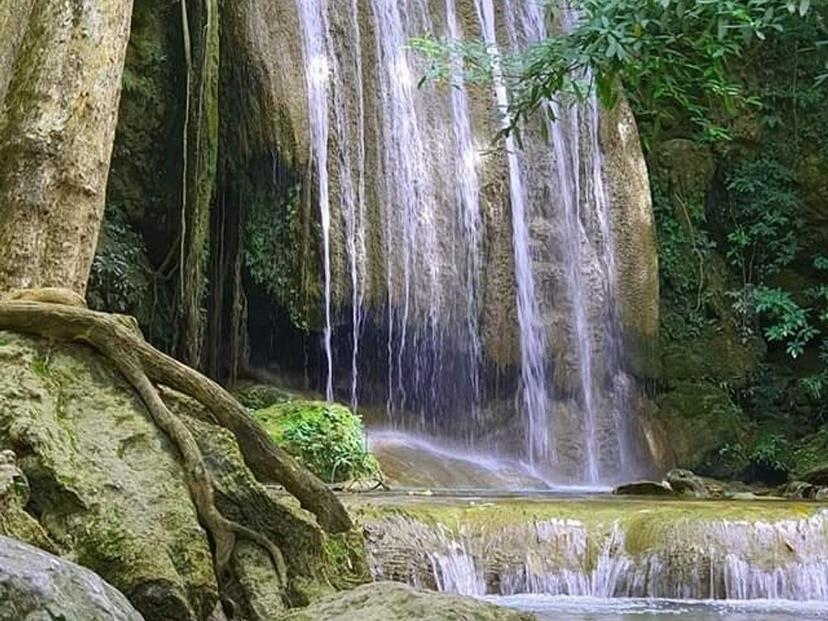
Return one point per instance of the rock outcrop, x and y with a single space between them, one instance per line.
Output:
644 488
107 487
35 586
391 601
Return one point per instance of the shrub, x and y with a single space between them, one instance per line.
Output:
326 437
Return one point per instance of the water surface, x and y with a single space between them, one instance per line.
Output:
594 609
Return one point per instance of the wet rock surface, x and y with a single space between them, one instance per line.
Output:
644 488
391 601
37 586
685 483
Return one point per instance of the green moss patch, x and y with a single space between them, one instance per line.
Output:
326 437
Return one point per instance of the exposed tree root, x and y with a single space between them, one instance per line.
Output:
224 531
116 338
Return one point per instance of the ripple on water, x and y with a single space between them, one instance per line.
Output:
598 609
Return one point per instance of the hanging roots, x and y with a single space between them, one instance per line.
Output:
60 315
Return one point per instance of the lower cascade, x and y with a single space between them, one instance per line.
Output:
606 549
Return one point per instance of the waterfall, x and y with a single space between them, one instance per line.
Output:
468 195
438 254
532 340
413 259
315 36
565 135
673 554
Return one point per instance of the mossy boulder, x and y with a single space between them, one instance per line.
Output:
326 437
107 487
697 418
105 483
390 601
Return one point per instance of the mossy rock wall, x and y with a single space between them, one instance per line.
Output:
107 489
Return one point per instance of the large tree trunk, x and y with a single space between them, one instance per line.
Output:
13 19
62 86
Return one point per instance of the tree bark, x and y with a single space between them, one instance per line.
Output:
200 149
14 18
57 127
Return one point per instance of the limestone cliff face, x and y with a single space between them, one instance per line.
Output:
428 218
636 254
436 230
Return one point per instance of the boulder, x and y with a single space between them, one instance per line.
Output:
107 488
35 585
392 601
105 482
685 483
644 488
797 490
817 475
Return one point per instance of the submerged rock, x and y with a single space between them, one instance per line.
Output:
391 601
36 585
644 488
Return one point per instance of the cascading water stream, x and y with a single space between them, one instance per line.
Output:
317 78
626 552
468 196
413 263
565 135
534 380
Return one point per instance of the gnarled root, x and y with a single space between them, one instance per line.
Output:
141 364
113 338
223 531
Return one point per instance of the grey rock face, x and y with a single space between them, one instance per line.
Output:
37 586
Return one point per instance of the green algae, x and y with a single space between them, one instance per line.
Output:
674 528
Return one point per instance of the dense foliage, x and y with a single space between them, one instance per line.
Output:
677 61
122 280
